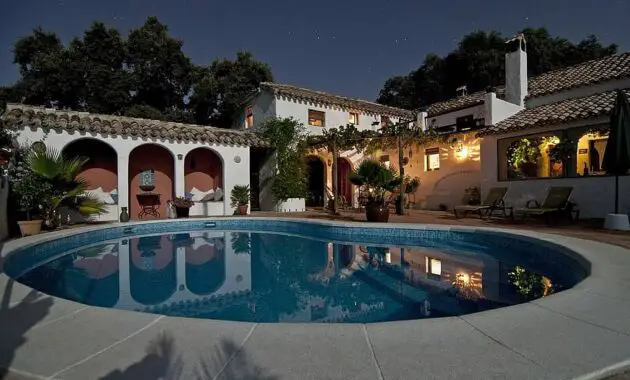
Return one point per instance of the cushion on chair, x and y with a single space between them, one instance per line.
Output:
218 194
209 197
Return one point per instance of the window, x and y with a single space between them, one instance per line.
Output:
385 160
433 268
432 159
249 117
384 121
354 118
465 123
530 157
589 157
316 118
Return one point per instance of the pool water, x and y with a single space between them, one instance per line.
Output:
273 277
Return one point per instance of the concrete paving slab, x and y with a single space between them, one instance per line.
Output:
12 291
51 348
590 307
298 351
565 347
445 348
610 288
172 348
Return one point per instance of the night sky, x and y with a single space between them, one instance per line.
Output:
347 47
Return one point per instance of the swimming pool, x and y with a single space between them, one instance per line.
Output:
261 270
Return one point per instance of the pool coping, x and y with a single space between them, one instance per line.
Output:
507 333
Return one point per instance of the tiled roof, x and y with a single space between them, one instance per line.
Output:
22 115
588 107
588 73
337 100
460 102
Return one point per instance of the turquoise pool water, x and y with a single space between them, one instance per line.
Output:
272 276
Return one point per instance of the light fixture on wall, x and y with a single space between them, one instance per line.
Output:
180 156
329 162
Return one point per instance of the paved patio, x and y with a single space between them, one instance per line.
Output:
584 331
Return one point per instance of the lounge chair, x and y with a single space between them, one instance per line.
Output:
556 204
493 202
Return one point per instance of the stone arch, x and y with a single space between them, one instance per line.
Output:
317 174
102 168
160 159
204 169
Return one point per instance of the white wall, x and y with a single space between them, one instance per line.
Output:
233 173
593 194
450 118
498 110
4 195
335 116
579 92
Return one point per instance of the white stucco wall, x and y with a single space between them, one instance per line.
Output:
233 173
335 116
497 109
593 194
450 118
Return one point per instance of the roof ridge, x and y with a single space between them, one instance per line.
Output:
589 62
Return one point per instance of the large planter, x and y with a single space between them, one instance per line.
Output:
30 227
377 212
182 212
529 169
242 210
292 205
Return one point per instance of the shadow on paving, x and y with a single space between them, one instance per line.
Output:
16 320
163 362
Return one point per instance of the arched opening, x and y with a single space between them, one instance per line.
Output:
151 172
203 175
316 182
153 269
96 271
101 170
205 265
345 186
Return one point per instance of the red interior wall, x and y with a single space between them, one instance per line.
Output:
102 168
345 186
207 171
159 159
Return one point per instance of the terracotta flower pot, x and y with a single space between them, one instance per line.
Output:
377 212
30 227
242 210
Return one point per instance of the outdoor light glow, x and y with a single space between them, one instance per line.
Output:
462 153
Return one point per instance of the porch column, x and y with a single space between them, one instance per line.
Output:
123 180
180 262
180 183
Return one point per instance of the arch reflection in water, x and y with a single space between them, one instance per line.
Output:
269 277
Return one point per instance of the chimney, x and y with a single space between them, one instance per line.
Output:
516 72
421 121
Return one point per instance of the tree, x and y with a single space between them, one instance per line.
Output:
220 89
478 62
160 71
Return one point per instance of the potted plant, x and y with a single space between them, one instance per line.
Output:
182 206
376 180
32 193
240 198
563 151
241 242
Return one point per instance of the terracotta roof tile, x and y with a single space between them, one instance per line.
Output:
588 107
461 102
23 115
588 73
337 100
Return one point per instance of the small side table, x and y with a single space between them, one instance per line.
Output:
149 204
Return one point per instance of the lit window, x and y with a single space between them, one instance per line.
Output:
590 153
316 118
432 159
354 118
384 121
249 117
433 266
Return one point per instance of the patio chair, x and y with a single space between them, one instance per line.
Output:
493 202
556 204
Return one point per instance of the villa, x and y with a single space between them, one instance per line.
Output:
129 156
484 129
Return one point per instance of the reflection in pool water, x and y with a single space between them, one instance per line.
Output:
267 277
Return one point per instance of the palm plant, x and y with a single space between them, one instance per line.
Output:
376 180
68 189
